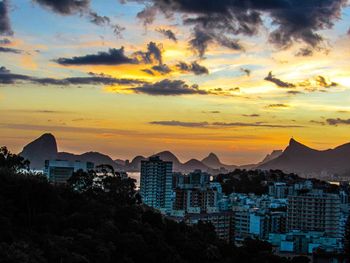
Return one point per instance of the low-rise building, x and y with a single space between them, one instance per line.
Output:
59 171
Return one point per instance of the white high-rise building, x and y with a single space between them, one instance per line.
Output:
314 211
156 184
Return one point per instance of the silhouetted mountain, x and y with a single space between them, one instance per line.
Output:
194 164
135 164
301 159
39 150
269 157
213 161
275 154
169 157
95 157
45 148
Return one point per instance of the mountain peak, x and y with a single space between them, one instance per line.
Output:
168 156
39 150
212 160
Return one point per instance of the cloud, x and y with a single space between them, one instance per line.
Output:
10 50
148 71
278 82
322 82
293 21
6 77
105 21
251 115
180 123
200 41
305 52
66 7
167 33
5 26
277 105
338 121
318 122
98 20
162 69
112 57
152 55
202 37
294 92
168 87
5 41
246 71
147 15
194 67
221 124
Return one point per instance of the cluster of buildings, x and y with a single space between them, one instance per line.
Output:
295 218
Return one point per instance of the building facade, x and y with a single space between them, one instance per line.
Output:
156 184
59 171
314 211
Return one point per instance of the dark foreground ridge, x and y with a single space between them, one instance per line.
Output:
101 221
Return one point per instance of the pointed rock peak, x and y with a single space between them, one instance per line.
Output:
294 143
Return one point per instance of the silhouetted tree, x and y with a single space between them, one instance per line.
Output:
12 161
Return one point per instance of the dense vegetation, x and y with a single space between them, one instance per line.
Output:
100 219
257 181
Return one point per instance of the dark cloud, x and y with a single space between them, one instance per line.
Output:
322 82
229 43
236 89
148 15
167 33
294 92
5 26
318 122
148 71
338 121
65 7
194 67
277 105
180 123
152 55
10 50
98 20
221 124
278 82
105 21
256 124
162 69
117 29
6 77
246 71
251 115
305 52
5 41
168 87
200 41
293 21
112 57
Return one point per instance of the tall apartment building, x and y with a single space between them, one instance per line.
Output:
314 211
156 183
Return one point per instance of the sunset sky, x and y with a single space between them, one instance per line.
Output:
134 77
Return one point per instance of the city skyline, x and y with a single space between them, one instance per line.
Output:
129 78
